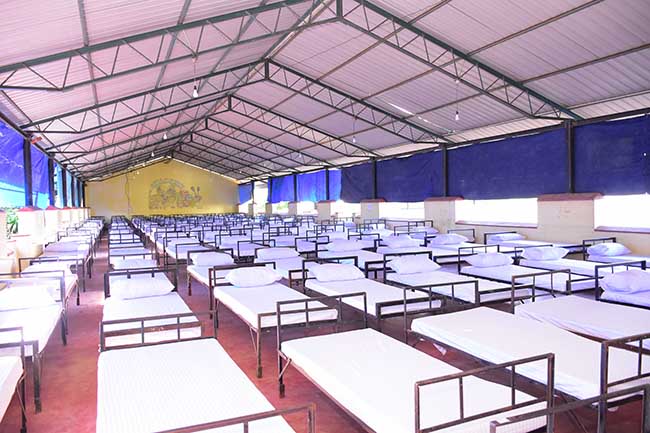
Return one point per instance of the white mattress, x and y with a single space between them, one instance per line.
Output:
248 302
363 256
179 252
639 299
497 336
616 259
454 247
373 376
134 263
589 317
38 325
526 243
171 303
129 252
202 274
580 267
506 272
376 293
11 369
168 386
402 250
463 292
283 266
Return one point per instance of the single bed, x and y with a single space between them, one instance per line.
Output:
512 239
481 332
177 396
257 307
589 317
12 375
387 386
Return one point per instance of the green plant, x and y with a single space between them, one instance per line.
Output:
12 221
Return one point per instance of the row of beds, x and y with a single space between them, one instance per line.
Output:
34 301
149 336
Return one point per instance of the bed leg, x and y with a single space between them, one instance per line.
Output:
64 328
23 408
259 352
189 285
36 367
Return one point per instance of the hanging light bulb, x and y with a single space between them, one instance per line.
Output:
457 117
152 154
165 136
195 92
354 139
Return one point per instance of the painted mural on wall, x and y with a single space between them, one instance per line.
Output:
172 194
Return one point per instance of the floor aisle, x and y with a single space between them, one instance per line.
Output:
69 374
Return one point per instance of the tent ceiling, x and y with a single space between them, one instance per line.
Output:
290 85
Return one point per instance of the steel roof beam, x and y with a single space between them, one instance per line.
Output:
288 125
279 13
133 149
372 20
316 90
124 166
144 156
141 103
263 143
213 164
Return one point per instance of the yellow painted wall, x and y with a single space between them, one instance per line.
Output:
131 193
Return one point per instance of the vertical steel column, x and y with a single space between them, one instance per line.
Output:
27 173
73 191
445 172
83 194
50 181
570 136
327 184
64 187
295 187
374 178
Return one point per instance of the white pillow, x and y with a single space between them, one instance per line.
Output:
502 237
62 247
487 260
276 253
49 266
630 281
252 277
336 272
211 259
448 239
608 249
413 264
134 264
24 296
140 286
544 253
346 245
401 241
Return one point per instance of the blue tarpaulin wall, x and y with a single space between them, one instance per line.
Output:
411 179
281 189
245 192
40 180
613 157
517 167
312 186
335 184
12 175
357 183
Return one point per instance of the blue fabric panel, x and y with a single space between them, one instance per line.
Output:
281 189
356 183
335 184
410 179
245 192
312 186
517 167
12 175
613 157
40 180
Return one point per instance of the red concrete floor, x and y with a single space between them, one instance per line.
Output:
69 374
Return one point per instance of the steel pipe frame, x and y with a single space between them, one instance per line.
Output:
83 54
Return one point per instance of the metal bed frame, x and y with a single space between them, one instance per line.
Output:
139 271
641 264
20 385
228 251
284 362
77 263
576 248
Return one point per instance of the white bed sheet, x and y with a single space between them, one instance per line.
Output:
506 272
202 274
171 303
168 386
454 247
376 293
11 369
129 252
527 243
497 336
589 317
402 250
183 249
283 266
363 256
616 259
38 325
580 267
639 299
248 302
387 405
464 292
